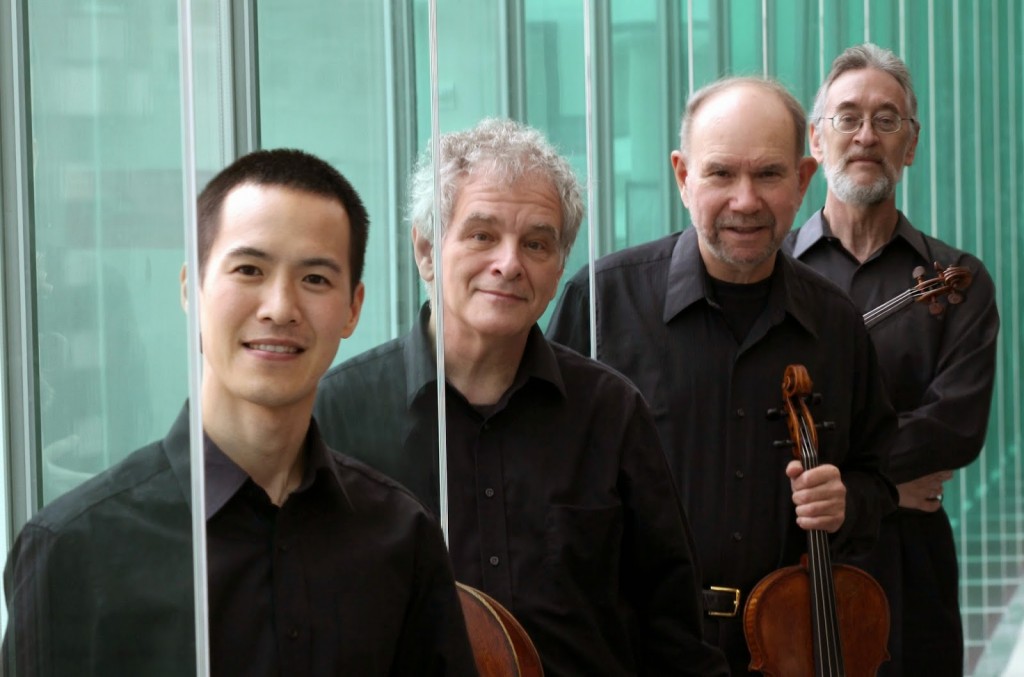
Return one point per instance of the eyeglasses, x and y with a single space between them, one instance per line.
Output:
883 123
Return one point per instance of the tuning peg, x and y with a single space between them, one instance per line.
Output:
815 398
825 425
782 444
773 414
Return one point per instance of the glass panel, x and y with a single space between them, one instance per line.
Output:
107 186
312 98
102 578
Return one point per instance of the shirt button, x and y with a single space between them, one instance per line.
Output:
740 412
494 560
488 492
293 633
739 474
737 536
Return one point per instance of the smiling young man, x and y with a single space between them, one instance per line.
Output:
864 131
706 321
560 501
317 565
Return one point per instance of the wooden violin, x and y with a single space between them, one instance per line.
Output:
950 281
814 618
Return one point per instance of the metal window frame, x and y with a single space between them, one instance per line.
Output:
20 420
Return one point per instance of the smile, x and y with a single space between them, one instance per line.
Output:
270 348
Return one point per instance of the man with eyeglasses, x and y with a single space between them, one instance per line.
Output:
939 369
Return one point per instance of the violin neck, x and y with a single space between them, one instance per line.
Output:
828 649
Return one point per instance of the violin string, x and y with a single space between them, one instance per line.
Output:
892 305
826 625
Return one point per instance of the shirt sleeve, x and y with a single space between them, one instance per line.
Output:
27 643
433 640
570 321
870 494
660 570
948 429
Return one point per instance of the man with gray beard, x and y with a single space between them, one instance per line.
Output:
939 370
706 321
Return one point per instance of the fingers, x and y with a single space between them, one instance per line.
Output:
820 498
924 493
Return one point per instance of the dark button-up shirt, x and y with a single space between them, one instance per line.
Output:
349 576
658 324
939 370
561 505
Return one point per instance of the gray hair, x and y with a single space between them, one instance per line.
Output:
768 85
505 149
859 57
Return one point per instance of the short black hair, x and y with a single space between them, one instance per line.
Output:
287 168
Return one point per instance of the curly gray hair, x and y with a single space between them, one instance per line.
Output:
505 149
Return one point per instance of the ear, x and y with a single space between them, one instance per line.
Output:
184 287
815 137
355 308
912 149
805 170
423 252
679 169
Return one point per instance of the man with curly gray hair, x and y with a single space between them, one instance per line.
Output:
561 505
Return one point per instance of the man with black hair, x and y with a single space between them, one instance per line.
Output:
317 564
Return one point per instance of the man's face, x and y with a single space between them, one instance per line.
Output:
275 300
742 181
863 168
501 257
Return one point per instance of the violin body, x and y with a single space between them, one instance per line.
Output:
815 619
501 647
778 625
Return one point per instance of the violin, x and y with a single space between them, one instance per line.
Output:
950 281
814 618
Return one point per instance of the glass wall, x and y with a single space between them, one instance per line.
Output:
95 361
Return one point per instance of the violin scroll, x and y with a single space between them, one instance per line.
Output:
950 282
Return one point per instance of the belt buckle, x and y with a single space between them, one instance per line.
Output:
735 602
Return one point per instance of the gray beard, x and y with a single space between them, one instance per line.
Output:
850 192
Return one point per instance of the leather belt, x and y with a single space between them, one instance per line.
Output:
720 602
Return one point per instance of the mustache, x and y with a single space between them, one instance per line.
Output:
742 221
869 157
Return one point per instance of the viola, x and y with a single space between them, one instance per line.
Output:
501 647
950 281
814 618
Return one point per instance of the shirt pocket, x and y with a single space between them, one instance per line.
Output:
582 551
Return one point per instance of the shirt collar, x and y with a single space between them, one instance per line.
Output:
687 284
913 237
817 228
538 360
685 275
223 476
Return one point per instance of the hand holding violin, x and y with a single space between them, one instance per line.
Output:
819 495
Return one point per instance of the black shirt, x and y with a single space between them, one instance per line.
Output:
939 370
560 501
349 576
709 395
